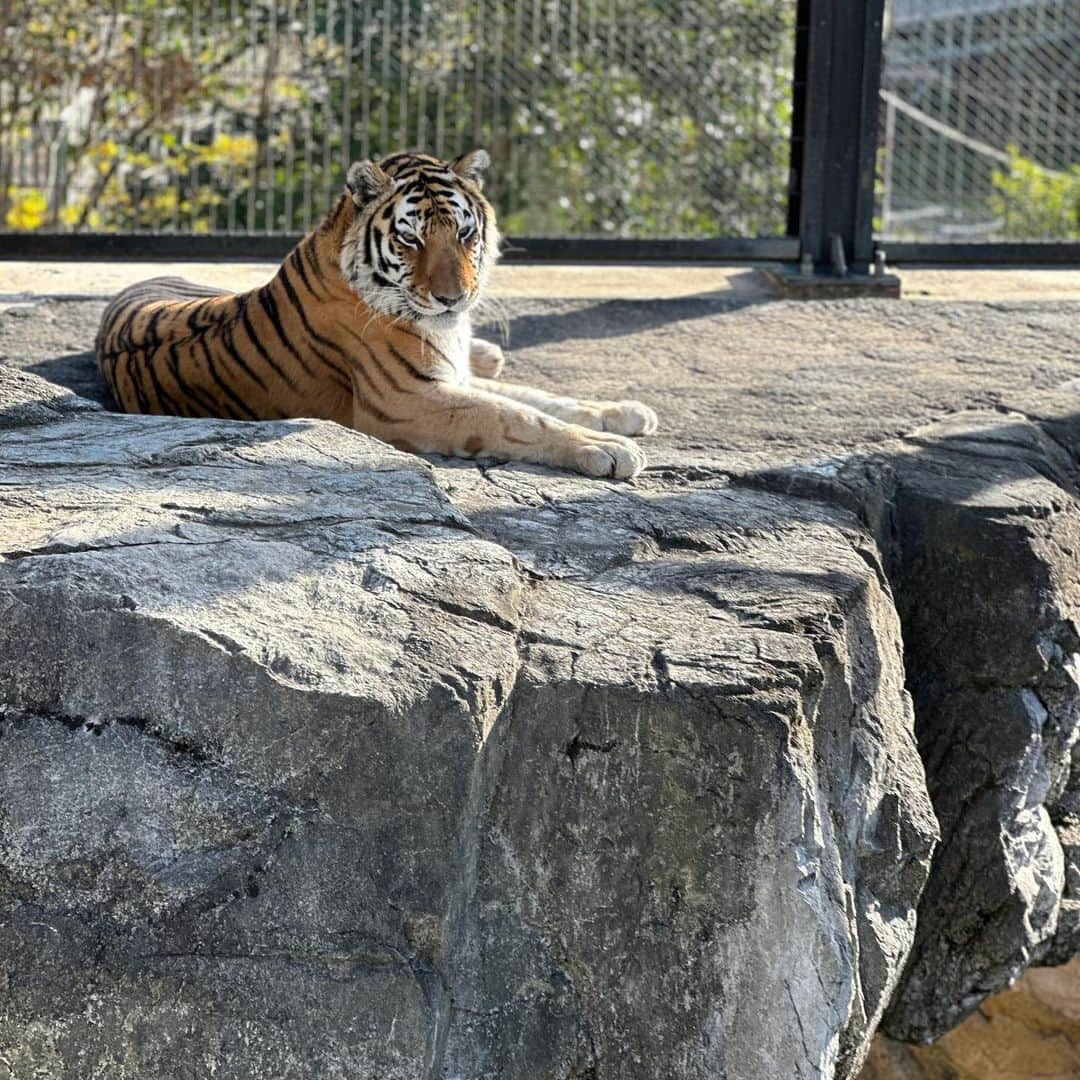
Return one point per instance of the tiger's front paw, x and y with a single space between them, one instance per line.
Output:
610 455
485 359
629 418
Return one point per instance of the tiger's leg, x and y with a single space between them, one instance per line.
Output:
621 417
485 359
441 418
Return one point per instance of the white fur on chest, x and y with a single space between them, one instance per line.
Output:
453 343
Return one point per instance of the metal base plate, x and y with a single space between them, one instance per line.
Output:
789 284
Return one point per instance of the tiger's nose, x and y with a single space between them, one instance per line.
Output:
449 301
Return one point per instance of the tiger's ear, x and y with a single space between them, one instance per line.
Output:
471 166
365 181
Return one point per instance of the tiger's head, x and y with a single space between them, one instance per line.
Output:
423 238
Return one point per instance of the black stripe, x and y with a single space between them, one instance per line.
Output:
283 277
228 343
402 155
369 245
413 370
217 378
298 262
341 375
383 418
150 333
359 371
270 307
195 328
329 223
270 310
365 402
140 395
434 348
384 373
167 402
312 252
201 399
114 384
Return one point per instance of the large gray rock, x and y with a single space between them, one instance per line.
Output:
311 771
978 523
347 766
984 559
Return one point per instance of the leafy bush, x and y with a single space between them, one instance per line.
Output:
650 120
1034 203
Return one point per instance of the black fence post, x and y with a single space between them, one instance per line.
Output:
834 134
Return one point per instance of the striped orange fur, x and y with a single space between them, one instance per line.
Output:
365 323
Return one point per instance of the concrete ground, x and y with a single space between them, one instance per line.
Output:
638 282
735 375
786 400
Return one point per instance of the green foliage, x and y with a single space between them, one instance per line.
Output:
1034 203
659 120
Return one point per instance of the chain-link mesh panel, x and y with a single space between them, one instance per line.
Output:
980 134
637 118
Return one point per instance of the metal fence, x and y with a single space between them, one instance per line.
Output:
980 138
619 129
613 118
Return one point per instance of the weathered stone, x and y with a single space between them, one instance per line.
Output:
559 777
986 531
489 771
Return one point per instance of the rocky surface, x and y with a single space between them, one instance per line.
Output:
1029 1031
986 571
346 764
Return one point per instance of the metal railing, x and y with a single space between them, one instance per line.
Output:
636 118
981 121
619 129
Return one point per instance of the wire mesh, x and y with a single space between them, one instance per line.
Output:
636 118
980 136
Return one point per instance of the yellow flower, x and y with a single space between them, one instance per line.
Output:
27 210
235 150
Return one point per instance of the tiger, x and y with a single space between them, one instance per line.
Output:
366 323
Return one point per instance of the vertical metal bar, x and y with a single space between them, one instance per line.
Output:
402 140
946 32
462 86
328 122
887 168
796 167
193 172
158 93
253 75
173 52
498 121
384 82
309 124
922 137
440 111
840 62
346 91
478 75
518 60
365 83
536 59
421 79
293 50
272 53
